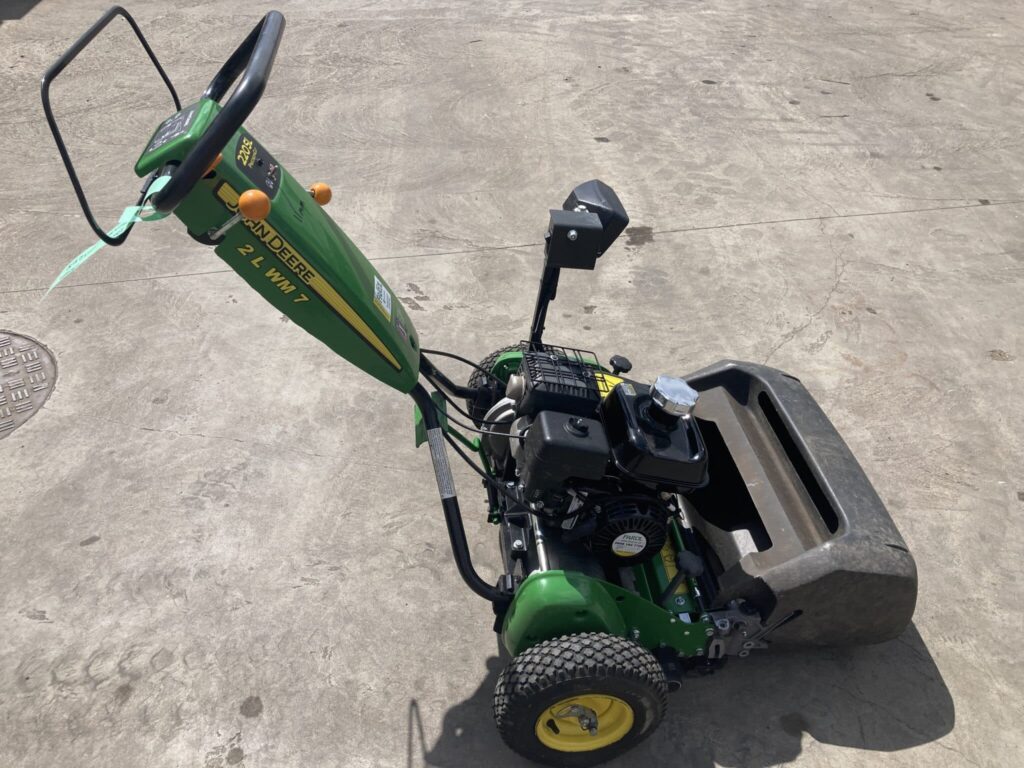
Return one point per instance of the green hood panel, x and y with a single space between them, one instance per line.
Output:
300 261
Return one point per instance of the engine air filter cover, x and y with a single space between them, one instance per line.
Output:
559 379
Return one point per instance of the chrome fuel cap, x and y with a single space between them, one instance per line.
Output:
674 396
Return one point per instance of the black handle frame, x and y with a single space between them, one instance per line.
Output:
256 55
452 513
51 74
252 60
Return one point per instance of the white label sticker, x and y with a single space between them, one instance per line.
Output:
381 297
629 544
443 473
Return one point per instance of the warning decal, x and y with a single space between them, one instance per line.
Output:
381 297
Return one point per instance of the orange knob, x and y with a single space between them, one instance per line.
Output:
254 204
321 193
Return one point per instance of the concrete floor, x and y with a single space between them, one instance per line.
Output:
219 545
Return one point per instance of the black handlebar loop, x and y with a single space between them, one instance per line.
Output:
256 54
59 66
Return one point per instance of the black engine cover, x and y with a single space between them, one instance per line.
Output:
560 447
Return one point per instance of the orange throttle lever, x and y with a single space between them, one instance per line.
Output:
253 204
321 193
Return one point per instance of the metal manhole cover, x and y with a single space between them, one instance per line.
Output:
27 375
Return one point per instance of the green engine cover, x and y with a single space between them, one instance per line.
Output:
297 258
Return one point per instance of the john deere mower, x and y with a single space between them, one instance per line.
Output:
648 530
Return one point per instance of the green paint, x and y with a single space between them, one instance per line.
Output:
176 149
553 603
472 443
442 417
507 364
338 267
652 579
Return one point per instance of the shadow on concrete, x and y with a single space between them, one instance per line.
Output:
752 714
12 10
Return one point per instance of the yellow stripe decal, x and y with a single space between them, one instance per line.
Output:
302 269
606 383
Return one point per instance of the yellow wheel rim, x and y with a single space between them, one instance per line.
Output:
559 727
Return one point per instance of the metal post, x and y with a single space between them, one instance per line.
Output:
546 294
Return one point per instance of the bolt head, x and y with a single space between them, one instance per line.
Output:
573 235
709 632
518 544
680 600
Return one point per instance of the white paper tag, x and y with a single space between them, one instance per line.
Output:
381 297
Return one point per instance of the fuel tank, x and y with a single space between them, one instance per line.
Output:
297 258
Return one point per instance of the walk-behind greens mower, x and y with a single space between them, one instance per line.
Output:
648 530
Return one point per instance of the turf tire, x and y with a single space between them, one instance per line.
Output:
575 665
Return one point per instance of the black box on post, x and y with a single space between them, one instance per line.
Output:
574 239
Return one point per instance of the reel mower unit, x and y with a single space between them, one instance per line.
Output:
647 529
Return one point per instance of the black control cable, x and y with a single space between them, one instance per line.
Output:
461 359
499 486
455 405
